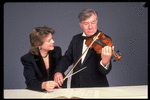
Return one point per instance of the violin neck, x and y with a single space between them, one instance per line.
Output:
101 42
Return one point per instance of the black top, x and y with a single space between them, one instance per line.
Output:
94 75
35 71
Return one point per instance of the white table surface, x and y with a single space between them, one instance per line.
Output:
140 91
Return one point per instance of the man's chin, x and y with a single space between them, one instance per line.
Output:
90 34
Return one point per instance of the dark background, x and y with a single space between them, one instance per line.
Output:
126 23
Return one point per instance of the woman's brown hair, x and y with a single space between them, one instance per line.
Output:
37 37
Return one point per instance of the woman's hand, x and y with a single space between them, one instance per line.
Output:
49 85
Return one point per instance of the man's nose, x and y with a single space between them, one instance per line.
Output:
90 26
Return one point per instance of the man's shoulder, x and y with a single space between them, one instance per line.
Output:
78 35
107 36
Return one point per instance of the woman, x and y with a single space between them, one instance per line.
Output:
39 64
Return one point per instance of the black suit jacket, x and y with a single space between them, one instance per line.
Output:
94 75
35 71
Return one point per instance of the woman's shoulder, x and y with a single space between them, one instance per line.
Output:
27 56
57 48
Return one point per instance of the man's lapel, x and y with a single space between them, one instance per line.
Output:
79 47
87 56
79 50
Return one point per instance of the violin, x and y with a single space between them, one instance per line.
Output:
100 42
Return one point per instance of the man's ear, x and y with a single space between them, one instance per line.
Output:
80 24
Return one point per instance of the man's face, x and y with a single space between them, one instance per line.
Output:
89 26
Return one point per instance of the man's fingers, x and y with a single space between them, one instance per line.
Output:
58 78
113 48
56 85
60 82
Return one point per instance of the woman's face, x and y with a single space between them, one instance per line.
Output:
48 43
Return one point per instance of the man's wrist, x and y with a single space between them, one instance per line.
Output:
105 66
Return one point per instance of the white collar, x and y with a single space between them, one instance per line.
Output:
83 34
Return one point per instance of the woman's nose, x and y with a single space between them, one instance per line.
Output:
53 41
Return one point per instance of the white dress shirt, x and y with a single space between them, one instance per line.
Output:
84 48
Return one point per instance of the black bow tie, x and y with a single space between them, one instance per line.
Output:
85 37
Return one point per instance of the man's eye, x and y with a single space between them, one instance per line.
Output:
85 23
93 22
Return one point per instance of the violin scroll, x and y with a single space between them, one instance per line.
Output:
117 56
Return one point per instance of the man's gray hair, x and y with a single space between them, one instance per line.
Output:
86 13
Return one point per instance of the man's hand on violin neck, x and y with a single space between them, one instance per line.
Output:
106 54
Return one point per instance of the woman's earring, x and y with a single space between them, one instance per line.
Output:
40 48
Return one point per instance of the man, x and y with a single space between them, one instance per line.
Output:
98 65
